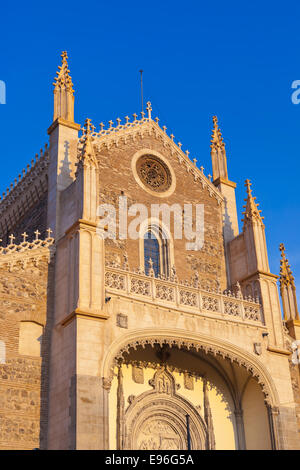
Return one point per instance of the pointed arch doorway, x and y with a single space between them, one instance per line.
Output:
156 419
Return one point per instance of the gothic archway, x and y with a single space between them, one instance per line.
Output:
215 351
179 338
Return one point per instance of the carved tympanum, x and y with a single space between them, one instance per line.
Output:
158 434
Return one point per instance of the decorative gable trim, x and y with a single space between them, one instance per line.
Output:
123 133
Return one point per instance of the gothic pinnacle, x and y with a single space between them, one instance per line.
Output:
63 79
217 139
218 153
251 213
286 276
87 153
63 92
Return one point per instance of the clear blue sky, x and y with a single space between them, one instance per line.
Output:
234 59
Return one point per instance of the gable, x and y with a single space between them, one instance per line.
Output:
118 155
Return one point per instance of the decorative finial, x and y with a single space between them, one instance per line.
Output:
63 92
24 235
63 76
217 139
149 109
248 185
37 233
49 231
11 238
151 270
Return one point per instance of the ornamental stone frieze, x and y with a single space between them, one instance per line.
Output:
22 254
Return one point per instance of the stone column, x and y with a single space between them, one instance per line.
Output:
273 413
120 411
239 419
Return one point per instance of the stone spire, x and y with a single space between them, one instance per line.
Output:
254 233
251 213
287 288
63 92
218 153
87 174
286 276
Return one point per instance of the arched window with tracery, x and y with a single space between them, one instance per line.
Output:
156 248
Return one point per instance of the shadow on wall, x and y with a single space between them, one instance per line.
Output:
228 230
64 176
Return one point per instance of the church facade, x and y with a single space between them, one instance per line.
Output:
119 332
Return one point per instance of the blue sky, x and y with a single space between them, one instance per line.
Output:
234 59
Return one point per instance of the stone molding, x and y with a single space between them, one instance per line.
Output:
78 313
63 122
198 342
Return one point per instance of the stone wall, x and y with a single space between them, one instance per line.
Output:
23 297
117 178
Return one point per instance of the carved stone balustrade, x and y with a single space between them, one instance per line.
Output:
181 297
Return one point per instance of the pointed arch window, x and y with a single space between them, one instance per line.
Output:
156 248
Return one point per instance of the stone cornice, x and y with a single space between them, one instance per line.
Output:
283 352
81 224
221 180
87 315
258 274
63 122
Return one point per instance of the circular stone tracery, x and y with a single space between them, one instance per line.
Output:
154 173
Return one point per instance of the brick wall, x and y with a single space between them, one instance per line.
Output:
23 297
116 175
